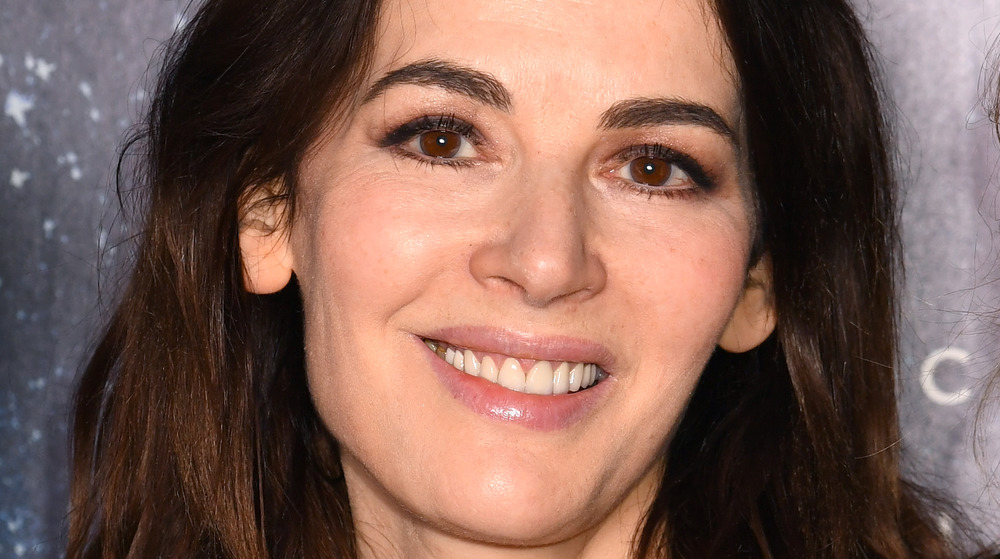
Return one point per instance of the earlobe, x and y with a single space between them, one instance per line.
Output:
754 317
267 258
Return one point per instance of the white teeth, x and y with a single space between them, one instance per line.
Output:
576 377
560 379
488 370
511 376
471 363
542 379
539 379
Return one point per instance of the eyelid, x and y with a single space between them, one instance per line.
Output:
428 123
399 138
683 161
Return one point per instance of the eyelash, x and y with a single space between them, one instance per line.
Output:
702 180
397 139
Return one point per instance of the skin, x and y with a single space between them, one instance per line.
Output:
538 232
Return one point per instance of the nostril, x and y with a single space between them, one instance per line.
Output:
539 276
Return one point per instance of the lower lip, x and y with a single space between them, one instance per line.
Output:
540 413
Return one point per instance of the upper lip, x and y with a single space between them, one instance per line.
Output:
523 345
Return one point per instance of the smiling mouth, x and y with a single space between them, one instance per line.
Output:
543 377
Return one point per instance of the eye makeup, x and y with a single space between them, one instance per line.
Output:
398 138
638 166
701 180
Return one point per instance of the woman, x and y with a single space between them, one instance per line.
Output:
497 279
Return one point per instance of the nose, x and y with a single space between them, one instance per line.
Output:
542 245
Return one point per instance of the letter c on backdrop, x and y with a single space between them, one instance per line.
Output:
928 383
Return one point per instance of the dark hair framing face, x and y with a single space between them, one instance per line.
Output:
194 433
822 390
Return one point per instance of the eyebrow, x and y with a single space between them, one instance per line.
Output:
646 112
485 88
452 77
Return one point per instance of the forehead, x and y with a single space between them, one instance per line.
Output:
596 51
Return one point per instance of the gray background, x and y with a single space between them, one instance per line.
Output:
72 78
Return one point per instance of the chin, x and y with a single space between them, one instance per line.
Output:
519 524
527 508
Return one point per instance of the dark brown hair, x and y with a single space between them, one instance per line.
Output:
194 433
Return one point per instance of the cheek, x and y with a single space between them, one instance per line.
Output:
353 246
681 299
678 271
354 256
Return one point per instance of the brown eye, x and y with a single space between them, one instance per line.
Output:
650 171
440 143
438 140
657 169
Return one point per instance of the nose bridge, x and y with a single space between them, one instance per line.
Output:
544 248
547 230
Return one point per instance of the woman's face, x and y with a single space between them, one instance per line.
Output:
553 190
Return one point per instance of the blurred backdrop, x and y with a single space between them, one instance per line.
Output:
74 77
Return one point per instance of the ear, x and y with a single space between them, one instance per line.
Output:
754 317
267 258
